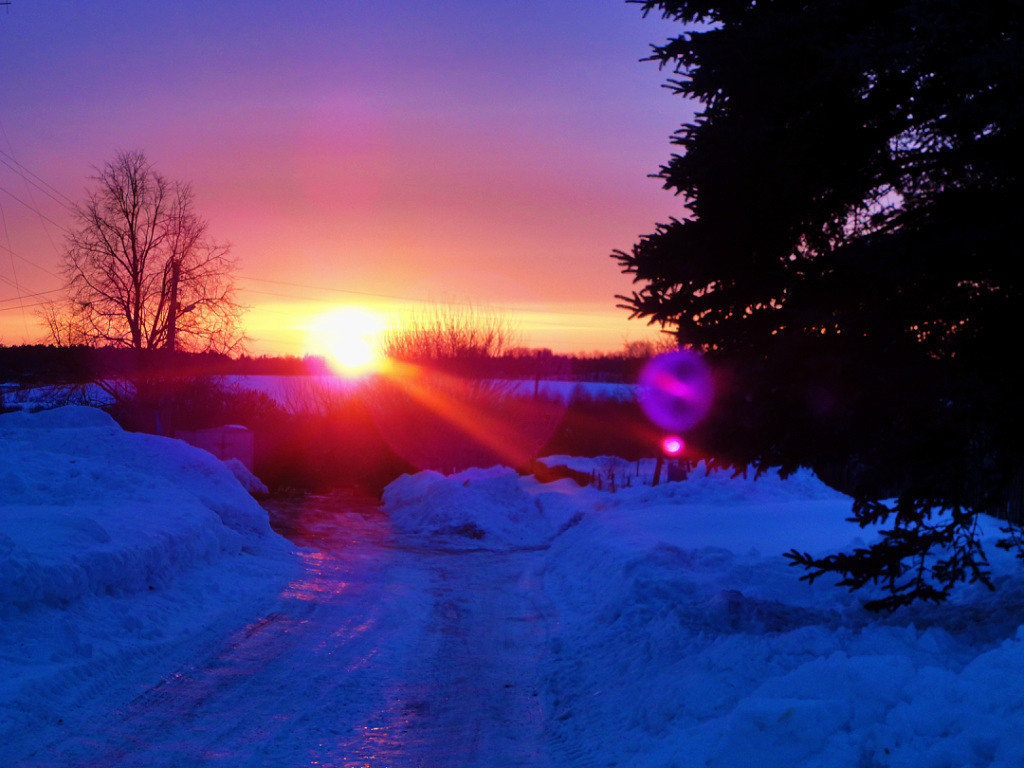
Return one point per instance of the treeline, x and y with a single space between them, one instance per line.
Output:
323 437
49 364
38 364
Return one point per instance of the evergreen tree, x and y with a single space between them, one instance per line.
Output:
848 259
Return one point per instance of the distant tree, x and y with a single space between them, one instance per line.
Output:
461 336
849 259
644 349
141 269
144 276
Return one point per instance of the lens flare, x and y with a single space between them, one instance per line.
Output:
441 421
673 445
675 390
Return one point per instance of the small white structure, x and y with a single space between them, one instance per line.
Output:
231 441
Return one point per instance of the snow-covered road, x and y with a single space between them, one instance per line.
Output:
386 652
149 616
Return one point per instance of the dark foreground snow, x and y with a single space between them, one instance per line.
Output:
151 618
120 555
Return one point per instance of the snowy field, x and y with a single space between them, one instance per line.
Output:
298 393
292 391
482 619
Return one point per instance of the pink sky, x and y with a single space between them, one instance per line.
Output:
468 153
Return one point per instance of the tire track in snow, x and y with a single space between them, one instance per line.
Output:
382 654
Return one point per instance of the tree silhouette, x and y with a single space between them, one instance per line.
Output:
141 269
848 258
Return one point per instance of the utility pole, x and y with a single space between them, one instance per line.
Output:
170 343
172 309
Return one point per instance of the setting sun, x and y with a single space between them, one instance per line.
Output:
349 338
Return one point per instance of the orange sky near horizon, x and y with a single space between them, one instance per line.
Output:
297 329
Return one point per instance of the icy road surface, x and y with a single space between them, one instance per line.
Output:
387 652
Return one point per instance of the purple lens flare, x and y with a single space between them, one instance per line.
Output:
675 390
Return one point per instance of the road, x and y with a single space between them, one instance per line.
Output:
388 651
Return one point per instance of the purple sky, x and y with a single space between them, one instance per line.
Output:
465 150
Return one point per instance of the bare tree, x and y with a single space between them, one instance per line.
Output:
141 269
647 348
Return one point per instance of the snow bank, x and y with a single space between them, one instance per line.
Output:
680 625
680 636
90 509
498 507
701 483
478 507
249 481
110 541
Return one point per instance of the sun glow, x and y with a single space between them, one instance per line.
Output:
673 445
349 337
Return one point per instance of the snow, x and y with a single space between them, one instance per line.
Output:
248 480
113 544
24 398
476 507
312 392
567 391
682 637
645 626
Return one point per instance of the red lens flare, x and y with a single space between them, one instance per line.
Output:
673 445
441 421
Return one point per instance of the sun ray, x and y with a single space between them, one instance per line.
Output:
452 399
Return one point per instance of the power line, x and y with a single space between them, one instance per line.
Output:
288 296
29 261
29 184
69 202
26 306
330 289
13 165
30 295
11 162
438 301
54 194
34 209
14 271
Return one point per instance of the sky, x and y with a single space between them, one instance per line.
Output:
386 154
